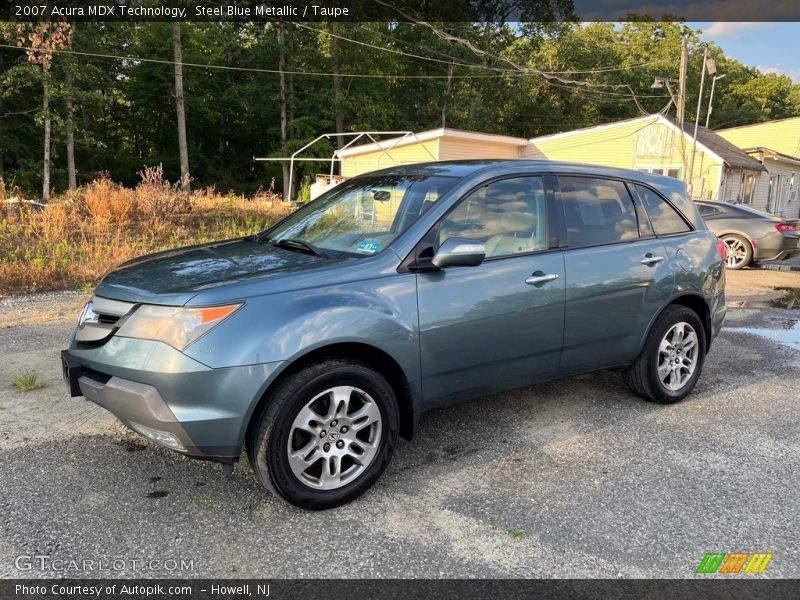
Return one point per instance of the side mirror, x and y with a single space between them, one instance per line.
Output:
459 252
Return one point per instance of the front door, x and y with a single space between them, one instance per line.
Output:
498 325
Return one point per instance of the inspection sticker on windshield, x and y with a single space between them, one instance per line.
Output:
368 247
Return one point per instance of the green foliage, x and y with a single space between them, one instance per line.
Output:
125 110
28 381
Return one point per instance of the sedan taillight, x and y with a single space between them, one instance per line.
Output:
786 227
722 249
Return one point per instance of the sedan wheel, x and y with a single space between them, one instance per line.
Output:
740 251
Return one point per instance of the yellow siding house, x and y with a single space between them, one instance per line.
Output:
655 144
777 145
426 146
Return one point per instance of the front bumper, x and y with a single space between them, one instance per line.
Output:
175 401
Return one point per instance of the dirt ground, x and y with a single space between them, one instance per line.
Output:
758 285
747 285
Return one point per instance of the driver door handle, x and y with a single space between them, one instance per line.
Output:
539 278
651 259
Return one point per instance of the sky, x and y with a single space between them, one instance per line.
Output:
772 47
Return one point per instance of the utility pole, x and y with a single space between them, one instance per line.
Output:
697 120
681 103
711 98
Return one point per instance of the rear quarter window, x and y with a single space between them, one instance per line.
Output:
664 218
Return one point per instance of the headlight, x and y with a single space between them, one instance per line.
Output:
175 326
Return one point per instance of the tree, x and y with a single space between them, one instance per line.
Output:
43 40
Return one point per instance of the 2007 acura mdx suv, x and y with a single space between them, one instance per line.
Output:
315 343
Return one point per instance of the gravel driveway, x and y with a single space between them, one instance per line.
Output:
577 478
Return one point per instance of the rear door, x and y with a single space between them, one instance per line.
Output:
498 325
617 273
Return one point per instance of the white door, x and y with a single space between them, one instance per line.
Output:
774 195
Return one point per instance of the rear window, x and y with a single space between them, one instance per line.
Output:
664 218
706 210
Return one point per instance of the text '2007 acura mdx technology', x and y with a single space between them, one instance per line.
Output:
315 343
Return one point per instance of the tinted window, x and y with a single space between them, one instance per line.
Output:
706 210
597 211
664 218
508 216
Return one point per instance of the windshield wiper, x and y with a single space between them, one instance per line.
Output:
299 245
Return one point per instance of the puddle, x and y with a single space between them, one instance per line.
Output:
790 298
786 332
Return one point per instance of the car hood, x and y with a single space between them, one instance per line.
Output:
173 277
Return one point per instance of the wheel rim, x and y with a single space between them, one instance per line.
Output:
334 437
677 356
737 251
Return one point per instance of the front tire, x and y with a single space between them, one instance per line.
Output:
740 251
671 361
327 434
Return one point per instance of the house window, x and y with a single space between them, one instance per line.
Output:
792 193
748 192
674 172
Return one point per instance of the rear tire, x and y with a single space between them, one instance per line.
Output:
672 358
326 435
740 251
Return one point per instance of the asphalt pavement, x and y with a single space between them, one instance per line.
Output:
577 478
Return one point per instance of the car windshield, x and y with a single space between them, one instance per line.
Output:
359 217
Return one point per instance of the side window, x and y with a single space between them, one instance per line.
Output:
508 216
597 211
664 218
706 210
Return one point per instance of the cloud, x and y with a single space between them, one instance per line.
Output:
780 70
726 29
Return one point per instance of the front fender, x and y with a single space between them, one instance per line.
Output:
381 314
281 327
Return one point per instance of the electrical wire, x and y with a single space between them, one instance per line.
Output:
459 62
261 70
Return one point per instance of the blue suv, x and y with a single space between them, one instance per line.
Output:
315 343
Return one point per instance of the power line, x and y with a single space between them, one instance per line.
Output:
247 69
461 63
548 76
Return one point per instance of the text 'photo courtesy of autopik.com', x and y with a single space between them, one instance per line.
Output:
393 299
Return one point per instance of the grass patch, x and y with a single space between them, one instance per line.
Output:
517 533
28 381
77 239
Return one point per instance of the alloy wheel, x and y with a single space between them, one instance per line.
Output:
334 437
677 356
737 251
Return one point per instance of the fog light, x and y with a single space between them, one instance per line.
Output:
159 437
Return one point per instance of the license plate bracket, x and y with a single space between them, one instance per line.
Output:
71 369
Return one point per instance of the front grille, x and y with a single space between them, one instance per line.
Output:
107 319
100 319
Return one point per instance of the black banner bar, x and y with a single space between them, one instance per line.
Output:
397 10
